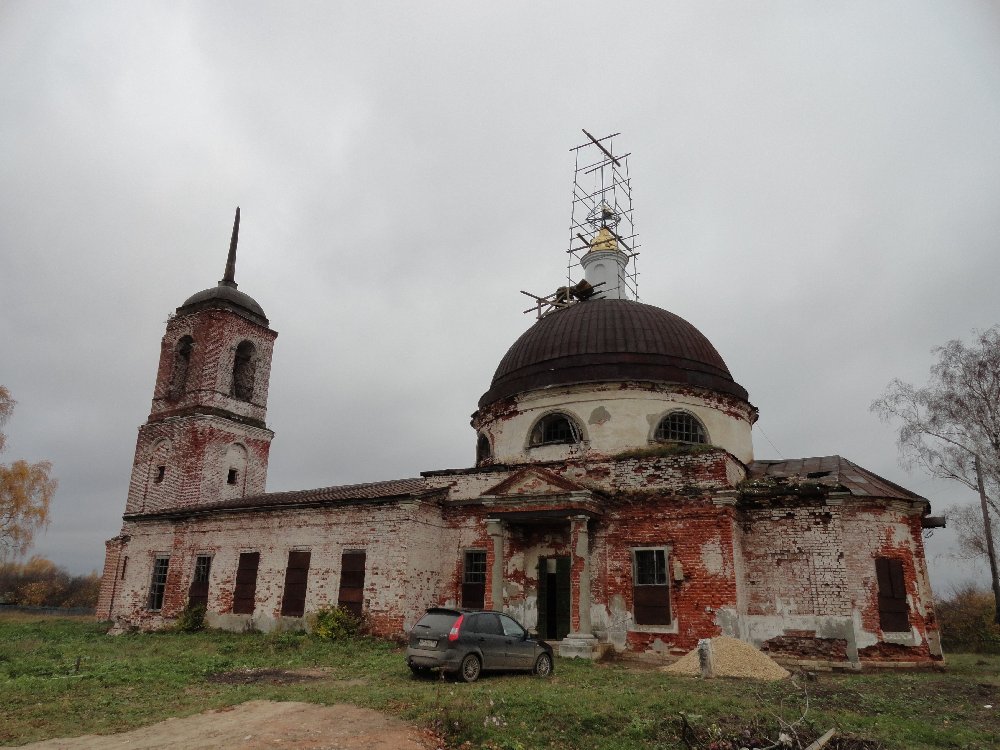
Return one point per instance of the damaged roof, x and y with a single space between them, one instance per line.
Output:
833 471
346 493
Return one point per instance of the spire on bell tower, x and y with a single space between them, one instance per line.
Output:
229 278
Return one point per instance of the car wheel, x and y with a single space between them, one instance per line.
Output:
543 665
470 668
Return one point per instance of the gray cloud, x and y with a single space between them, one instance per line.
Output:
815 189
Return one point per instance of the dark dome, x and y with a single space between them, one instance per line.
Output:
226 298
604 340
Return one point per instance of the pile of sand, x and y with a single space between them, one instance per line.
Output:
732 658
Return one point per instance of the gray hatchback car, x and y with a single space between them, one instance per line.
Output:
468 642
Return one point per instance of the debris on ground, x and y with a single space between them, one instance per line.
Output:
731 657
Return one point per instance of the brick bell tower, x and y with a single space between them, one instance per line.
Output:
205 440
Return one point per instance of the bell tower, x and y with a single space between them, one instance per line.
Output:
206 440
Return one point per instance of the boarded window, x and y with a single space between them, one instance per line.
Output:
293 602
245 593
893 614
650 590
158 582
198 592
681 426
244 370
474 579
352 582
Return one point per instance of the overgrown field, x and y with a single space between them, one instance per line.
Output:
64 677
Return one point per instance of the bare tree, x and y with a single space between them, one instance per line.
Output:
951 426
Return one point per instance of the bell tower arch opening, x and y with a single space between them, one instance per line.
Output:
244 370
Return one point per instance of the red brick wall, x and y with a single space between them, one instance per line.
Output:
808 561
699 535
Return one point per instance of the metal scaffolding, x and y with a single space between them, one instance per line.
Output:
602 203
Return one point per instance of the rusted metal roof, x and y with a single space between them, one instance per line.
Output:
834 471
348 493
603 340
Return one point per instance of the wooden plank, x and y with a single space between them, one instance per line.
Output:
822 741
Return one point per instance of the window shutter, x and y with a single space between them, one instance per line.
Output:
293 601
352 582
245 593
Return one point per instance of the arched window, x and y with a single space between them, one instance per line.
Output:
483 450
182 361
553 429
244 369
682 427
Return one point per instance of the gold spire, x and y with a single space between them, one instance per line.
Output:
603 240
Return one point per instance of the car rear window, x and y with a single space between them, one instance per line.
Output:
437 622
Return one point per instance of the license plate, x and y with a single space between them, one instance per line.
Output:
425 643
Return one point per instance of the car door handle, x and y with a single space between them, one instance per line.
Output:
482 640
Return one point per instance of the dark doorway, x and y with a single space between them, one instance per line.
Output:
553 597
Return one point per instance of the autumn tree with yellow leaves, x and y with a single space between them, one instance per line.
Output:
26 490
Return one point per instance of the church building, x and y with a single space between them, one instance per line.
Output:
615 502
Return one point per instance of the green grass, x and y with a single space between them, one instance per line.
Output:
131 680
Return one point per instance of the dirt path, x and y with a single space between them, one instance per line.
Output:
264 724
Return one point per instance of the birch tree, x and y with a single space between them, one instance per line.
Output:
951 427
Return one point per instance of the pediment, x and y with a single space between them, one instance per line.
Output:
533 481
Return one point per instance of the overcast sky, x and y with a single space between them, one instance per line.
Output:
815 186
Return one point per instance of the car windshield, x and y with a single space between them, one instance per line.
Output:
437 622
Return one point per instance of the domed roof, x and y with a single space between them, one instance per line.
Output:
223 297
603 340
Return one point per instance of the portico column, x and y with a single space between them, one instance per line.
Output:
494 527
581 642
581 551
